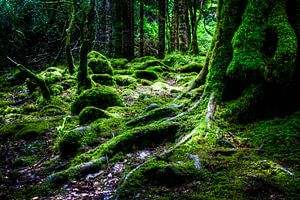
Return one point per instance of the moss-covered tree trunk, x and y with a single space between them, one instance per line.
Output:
86 33
69 57
253 53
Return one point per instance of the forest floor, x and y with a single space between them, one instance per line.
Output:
255 160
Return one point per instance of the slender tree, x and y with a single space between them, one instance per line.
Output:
142 31
162 28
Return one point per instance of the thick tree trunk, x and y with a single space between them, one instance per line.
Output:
128 31
255 47
162 28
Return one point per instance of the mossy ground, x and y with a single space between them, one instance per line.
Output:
256 160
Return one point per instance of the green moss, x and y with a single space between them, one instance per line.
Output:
145 82
52 110
153 115
144 59
192 67
18 77
109 127
174 60
158 69
25 129
69 143
95 54
52 75
248 61
141 137
123 72
281 66
100 96
124 80
100 66
143 74
118 63
103 79
56 89
90 114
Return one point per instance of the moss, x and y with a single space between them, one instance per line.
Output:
145 82
158 69
124 80
52 75
153 115
23 161
25 129
109 127
144 59
141 137
52 110
174 60
29 108
56 89
123 72
192 67
103 79
248 61
143 74
90 114
281 66
18 77
160 173
118 63
100 66
69 143
95 54
100 96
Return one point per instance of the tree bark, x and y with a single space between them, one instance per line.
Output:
245 59
142 32
162 28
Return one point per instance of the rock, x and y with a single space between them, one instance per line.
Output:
90 114
100 97
152 106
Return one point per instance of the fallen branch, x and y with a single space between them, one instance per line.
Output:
29 74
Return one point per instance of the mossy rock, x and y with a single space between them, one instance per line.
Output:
17 78
103 79
192 67
175 59
96 54
52 75
118 63
124 80
100 66
69 144
90 114
100 97
143 74
145 82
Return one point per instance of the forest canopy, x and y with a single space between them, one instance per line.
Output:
140 99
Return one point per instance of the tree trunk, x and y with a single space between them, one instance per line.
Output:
162 28
69 57
174 30
142 32
86 33
251 54
128 30
183 26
